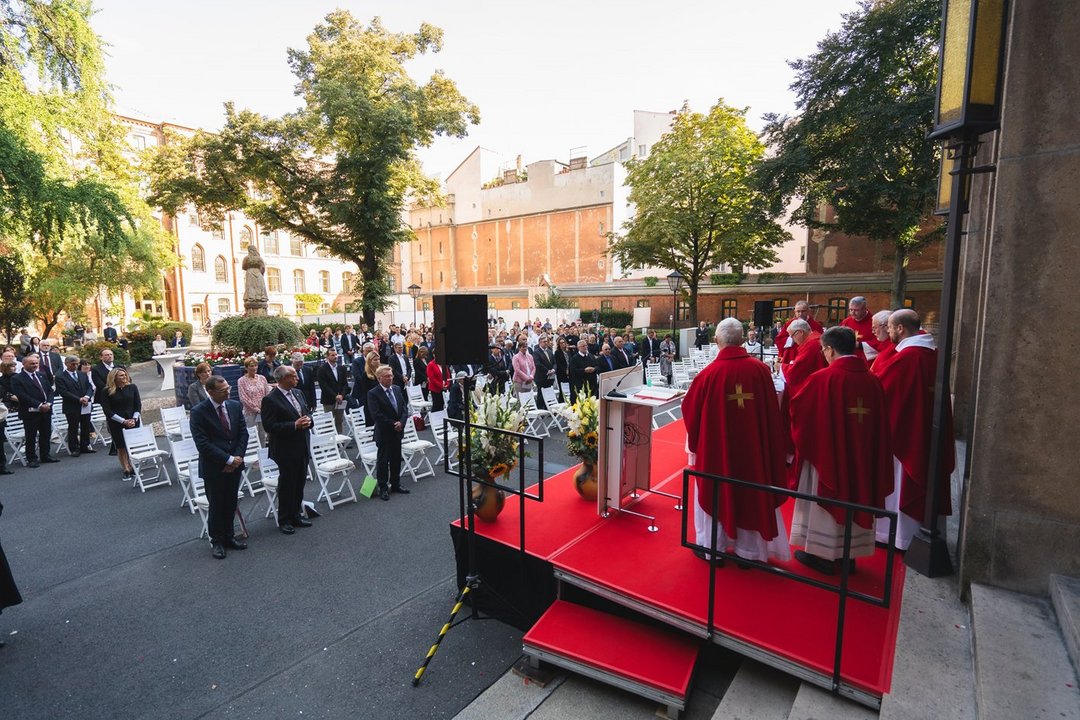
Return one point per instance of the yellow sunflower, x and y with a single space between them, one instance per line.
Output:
590 440
498 469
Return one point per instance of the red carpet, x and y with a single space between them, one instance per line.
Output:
787 619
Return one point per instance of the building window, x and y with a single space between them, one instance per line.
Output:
324 281
245 238
515 305
605 304
729 308
221 271
684 309
420 245
273 280
802 253
218 233
426 306
324 309
347 283
780 314
275 309
909 302
198 259
642 303
440 248
196 316
837 309
491 306
601 230
296 246
223 305
298 281
270 242
322 252
641 150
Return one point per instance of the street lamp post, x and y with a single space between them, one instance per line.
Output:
414 292
675 282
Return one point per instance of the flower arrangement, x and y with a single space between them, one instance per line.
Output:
582 417
310 353
213 359
495 454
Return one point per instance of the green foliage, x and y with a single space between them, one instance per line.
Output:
865 105
92 352
615 318
696 206
650 280
140 342
337 171
251 333
551 301
731 278
768 277
14 300
311 303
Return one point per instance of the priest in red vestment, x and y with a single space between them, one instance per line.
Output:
733 429
859 320
785 345
879 342
842 452
806 361
908 381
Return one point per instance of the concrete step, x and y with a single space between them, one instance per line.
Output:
1022 669
813 703
1065 596
932 668
758 692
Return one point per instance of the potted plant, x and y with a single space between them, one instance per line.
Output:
493 454
582 441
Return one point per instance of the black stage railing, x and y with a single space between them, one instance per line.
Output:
842 589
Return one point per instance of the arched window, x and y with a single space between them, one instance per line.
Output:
198 259
221 272
245 238
223 305
324 281
298 281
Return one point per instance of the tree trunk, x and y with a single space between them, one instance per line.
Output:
693 305
899 278
370 268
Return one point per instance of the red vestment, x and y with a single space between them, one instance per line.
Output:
864 329
839 425
806 361
733 426
784 354
908 380
886 354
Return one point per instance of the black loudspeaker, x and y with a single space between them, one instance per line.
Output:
762 313
461 329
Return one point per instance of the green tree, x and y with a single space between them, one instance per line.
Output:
338 170
696 207
865 104
14 301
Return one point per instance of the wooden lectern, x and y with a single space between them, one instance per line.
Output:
624 452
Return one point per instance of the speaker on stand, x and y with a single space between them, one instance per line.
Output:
763 320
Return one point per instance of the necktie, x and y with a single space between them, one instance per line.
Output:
393 400
295 404
74 377
300 377
221 416
37 381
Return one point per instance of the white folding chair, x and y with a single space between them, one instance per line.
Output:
565 388
174 419
538 422
59 433
184 453
437 424
198 496
147 459
16 439
251 461
269 472
323 424
367 451
357 427
555 408
328 464
101 427
416 399
412 452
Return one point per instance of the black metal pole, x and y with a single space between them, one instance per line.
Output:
929 551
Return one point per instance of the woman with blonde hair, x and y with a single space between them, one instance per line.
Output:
123 407
252 388
365 382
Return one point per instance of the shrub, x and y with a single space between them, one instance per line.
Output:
140 342
92 352
650 280
552 302
731 278
252 333
615 318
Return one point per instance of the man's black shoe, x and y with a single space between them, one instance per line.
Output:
287 528
5 471
400 491
75 453
384 495
823 566
87 450
234 544
49 460
299 521
33 464
218 551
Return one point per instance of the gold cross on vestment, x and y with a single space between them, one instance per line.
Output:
859 411
740 397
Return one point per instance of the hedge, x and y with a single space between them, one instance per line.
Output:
252 333
140 342
92 352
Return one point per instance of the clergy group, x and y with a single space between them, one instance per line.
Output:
847 418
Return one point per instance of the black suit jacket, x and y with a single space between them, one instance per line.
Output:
333 381
72 391
100 374
562 366
622 361
51 365
606 363
650 349
383 414
578 376
497 369
401 377
30 397
266 369
109 334
350 343
305 383
279 421
215 445
543 365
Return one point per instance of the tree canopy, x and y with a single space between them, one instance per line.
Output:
865 104
338 171
697 208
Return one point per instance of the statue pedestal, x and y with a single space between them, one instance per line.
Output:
257 309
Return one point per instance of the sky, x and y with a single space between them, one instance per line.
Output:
548 76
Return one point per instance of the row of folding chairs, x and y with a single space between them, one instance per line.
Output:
15 434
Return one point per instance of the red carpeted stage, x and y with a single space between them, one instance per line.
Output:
778 621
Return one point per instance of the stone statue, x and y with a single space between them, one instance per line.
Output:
255 298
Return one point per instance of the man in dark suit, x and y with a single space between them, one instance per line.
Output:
544 375
50 363
100 373
178 340
401 366
221 436
387 406
604 361
497 371
650 348
349 344
35 396
77 393
286 418
109 332
333 386
619 354
702 335
583 368
305 380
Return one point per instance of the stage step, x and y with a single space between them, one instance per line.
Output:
651 662
1022 669
758 692
1065 594
813 703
